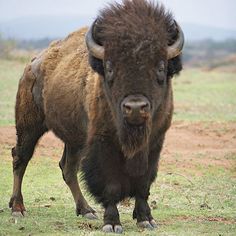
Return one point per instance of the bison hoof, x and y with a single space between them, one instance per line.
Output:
145 225
107 229
118 229
90 216
17 208
110 229
18 213
86 212
153 223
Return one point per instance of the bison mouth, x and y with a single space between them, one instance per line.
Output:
134 138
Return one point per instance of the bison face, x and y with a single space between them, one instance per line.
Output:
135 90
135 70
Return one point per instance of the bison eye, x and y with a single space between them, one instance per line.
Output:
109 72
161 73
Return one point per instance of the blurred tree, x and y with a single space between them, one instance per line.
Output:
6 47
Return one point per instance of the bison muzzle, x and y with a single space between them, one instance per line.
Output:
106 93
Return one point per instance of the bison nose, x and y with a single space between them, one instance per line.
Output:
136 109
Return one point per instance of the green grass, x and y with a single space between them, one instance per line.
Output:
205 96
10 73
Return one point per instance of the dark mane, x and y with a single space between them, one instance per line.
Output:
125 24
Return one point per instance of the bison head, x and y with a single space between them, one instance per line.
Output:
135 46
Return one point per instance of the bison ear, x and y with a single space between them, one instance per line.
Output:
96 64
174 66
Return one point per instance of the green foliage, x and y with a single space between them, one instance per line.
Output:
205 53
205 96
6 47
10 73
228 45
33 44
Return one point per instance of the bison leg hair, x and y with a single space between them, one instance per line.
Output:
142 211
21 154
112 219
29 127
69 165
101 170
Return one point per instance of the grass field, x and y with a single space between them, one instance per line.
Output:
194 194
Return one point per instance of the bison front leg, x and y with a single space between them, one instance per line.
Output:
112 220
111 214
69 165
142 211
101 171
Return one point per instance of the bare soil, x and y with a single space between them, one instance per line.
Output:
187 145
206 144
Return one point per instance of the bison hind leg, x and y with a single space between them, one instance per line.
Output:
21 154
29 128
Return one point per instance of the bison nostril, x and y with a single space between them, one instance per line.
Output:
127 109
144 108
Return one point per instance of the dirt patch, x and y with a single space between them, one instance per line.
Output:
49 145
207 144
8 137
187 145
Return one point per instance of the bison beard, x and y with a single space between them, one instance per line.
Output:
133 138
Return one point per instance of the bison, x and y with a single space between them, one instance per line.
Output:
106 93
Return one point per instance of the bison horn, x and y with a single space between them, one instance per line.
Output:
95 49
175 49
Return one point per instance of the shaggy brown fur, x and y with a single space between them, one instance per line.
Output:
71 93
